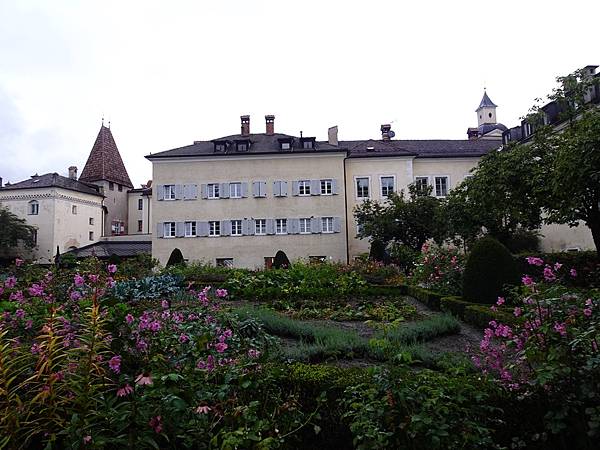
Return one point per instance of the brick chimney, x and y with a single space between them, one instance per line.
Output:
245 125
332 135
270 124
73 172
385 131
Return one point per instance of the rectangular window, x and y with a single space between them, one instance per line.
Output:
111 185
305 226
169 229
421 183
140 204
140 226
224 262
214 228
213 190
120 186
34 208
260 226
91 221
190 229
74 209
387 186
307 144
281 226
242 147
326 187
117 227
235 190
285 146
220 147
90 235
441 186
236 227
304 187
362 187
169 191
327 224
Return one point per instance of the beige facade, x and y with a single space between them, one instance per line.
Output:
116 206
139 212
65 219
250 249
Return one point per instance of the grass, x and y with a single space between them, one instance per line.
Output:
402 344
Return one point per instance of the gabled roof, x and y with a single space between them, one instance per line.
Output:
54 180
485 101
104 162
430 148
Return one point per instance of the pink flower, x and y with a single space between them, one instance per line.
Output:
112 268
527 280
252 353
78 280
35 349
87 439
534 261
144 379
124 391
128 319
560 328
28 324
156 424
18 262
587 312
75 295
165 304
10 282
183 338
202 409
19 313
557 266
588 302
155 326
115 364
36 290
573 273
517 312
548 274
221 293
500 301
93 278
16 296
221 347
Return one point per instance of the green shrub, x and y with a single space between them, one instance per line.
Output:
424 330
586 265
480 316
430 298
455 305
378 252
490 267
523 241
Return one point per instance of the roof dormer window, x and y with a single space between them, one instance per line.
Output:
285 143
308 143
220 146
242 146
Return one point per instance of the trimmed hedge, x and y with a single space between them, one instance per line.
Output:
430 298
481 315
455 305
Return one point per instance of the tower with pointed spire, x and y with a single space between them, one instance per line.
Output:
487 125
486 111
105 168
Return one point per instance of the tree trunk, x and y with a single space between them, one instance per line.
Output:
595 229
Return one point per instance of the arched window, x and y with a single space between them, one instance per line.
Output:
34 208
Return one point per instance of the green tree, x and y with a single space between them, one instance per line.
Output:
409 220
14 232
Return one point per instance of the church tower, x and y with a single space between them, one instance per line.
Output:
486 112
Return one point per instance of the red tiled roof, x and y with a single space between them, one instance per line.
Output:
104 162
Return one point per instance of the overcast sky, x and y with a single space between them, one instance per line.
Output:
168 73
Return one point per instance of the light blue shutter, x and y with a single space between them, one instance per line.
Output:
270 226
193 191
248 227
160 229
293 226
204 190
284 188
186 191
277 188
160 192
224 190
179 229
315 225
337 225
178 192
262 188
334 186
202 228
295 190
244 190
256 188
315 187
225 227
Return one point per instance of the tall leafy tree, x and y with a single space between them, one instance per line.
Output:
404 219
15 232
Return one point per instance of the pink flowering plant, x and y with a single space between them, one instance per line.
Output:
550 349
439 269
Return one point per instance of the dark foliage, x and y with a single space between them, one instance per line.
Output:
176 258
281 260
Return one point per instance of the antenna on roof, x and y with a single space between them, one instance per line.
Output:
300 133
102 119
109 124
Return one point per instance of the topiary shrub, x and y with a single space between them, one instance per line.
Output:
281 260
490 267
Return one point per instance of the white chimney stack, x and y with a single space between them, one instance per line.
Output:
332 135
73 172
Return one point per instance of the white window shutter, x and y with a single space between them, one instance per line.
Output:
315 187
225 227
256 188
244 190
277 188
248 227
186 191
224 190
295 190
178 192
337 225
204 191
293 226
284 188
270 226
334 186
315 225
193 191
179 229
262 188
160 229
160 192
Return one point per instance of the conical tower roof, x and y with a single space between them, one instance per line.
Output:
104 162
485 101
